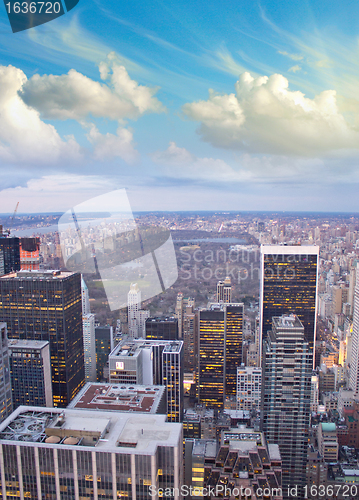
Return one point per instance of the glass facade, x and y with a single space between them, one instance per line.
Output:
30 364
289 285
287 372
47 306
220 353
11 254
5 384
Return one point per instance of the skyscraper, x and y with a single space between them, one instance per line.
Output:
5 384
47 306
30 254
220 352
136 316
153 362
88 325
10 248
162 328
289 276
286 389
78 454
224 291
104 337
30 369
354 358
85 298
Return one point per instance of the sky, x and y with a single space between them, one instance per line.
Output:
202 105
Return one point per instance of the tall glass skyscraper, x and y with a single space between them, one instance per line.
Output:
47 306
286 389
220 352
5 384
289 277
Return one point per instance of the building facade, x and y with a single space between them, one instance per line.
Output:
220 352
5 382
162 328
286 388
88 325
156 362
30 369
10 249
249 388
88 455
46 306
104 340
289 276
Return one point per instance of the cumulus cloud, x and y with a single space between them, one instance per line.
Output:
108 145
24 137
75 96
265 116
179 163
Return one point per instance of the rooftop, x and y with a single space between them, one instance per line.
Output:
116 432
133 347
119 397
287 321
36 274
27 344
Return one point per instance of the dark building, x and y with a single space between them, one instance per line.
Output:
30 370
5 384
47 306
104 345
220 352
289 285
162 328
286 388
10 249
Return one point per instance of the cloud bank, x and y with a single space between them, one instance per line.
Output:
265 116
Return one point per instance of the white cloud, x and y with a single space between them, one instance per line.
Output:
264 116
24 137
295 68
107 146
55 192
179 163
75 96
294 57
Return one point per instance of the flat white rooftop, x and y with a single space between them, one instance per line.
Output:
119 432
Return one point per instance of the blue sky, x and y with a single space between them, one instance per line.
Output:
188 105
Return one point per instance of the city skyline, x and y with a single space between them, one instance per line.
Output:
245 107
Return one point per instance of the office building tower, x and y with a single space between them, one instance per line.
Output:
220 352
47 306
184 305
85 298
224 291
172 378
286 390
354 358
2 262
77 454
289 276
10 248
162 328
88 326
104 340
153 362
30 254
136 316
190 339
5 383
30 370
249 387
